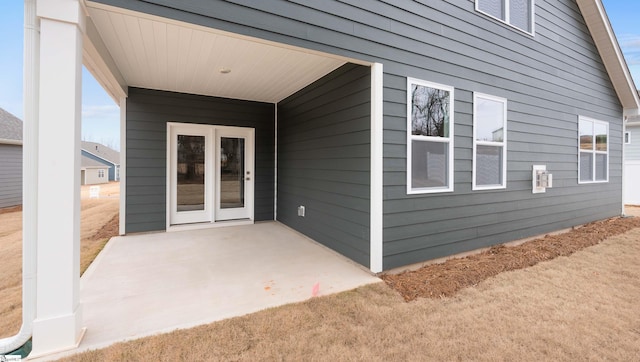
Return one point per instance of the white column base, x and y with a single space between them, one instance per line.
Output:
58 334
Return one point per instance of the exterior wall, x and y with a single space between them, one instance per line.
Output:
324 161
148 112
632 150
632 167
10 175
91 176
111 166
548 79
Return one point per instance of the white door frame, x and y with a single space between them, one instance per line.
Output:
208 217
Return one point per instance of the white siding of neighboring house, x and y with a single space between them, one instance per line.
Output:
632 167
92 176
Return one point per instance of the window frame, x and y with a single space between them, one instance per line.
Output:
450 140
627 138
532 16
593 151
101 173
476 143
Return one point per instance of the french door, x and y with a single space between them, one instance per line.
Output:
210 173
234 174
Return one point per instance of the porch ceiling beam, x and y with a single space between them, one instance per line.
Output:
97 59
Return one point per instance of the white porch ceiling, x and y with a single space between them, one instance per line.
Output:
158 53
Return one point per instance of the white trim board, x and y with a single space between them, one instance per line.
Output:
376 197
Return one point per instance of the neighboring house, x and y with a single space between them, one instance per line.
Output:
10 159
391 132
632 161
93 172
105 156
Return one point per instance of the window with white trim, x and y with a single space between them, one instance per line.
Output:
100 173
517 13
593 144
429 137
489 142
627 138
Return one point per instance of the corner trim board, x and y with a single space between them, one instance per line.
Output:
376 200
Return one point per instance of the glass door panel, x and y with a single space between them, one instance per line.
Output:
234 176
190 193
232 172
190 174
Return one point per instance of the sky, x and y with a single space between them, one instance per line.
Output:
101 115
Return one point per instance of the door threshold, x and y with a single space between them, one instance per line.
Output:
209 225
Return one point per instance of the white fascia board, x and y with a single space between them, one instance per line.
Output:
94 167
5 141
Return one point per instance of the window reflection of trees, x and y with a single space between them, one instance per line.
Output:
191 151
429 111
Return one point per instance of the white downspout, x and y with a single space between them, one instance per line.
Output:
275 163
31 64
624 161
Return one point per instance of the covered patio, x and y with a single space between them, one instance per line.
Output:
148 62
158 282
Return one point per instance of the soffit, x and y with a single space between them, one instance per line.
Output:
159 53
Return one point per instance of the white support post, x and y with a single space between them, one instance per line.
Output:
123 165
376 200
58 311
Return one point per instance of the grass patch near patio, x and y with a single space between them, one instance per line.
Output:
99 221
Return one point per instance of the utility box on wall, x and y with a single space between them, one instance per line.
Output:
541 179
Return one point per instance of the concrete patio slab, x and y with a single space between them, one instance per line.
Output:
147 284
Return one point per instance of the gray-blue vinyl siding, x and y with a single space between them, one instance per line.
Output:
632 150
10 175
112 167
148 112
549 79
324 161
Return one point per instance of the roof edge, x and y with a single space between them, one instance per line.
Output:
100 157
602 33
94 167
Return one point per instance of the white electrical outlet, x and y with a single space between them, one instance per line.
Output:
301 211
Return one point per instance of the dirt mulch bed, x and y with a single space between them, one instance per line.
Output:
445 279
7 210
108 230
